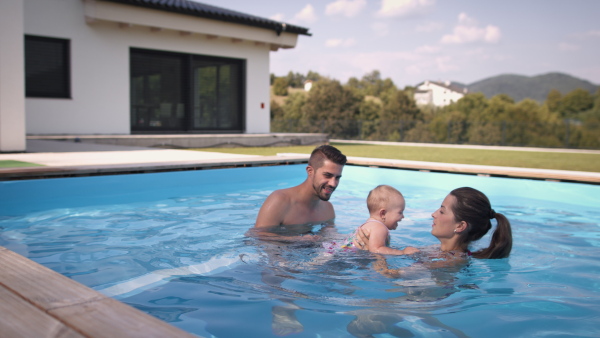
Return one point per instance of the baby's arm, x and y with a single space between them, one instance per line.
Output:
377 242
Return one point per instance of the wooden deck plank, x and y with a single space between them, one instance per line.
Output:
40 285
110 318
29 285
19 318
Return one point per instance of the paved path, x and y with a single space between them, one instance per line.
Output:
62 153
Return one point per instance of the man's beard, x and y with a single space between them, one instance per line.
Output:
321 193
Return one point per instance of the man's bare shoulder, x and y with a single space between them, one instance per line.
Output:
281 197
274 209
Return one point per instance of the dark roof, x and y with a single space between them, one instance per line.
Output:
216 13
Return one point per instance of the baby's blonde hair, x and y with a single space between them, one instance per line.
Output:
379 197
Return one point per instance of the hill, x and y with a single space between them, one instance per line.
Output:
520 87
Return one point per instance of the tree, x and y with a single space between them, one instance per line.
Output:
553 100
470 103
575 102
449 127
486 126
368 115
276 110
280 86
398 105
398 114
334 106
294 106
295 80
313 76
372 84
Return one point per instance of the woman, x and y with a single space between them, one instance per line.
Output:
464 217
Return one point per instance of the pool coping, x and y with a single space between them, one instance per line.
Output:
21 173
483 170
39 302
472 169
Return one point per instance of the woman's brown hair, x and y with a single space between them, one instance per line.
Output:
473 207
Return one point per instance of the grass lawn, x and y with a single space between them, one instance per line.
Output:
507 158
17 164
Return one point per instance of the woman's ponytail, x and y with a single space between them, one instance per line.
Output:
473 207
501 242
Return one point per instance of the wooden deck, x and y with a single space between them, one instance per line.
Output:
38 302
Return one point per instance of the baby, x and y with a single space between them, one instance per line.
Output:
386 208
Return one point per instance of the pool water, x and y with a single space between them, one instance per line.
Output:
175 245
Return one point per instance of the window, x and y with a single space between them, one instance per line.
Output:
47 67
174 92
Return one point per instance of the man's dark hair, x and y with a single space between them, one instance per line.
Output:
326 152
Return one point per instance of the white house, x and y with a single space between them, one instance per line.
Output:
438 94
308 85
133 66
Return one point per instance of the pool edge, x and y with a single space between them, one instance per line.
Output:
66 307
294 158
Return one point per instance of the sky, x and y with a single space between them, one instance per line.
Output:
411 41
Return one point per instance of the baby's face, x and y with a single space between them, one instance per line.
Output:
395 212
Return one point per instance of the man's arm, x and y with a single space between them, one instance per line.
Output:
273 210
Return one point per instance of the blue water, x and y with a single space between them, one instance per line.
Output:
174 245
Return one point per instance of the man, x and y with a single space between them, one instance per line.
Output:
307 203
298 209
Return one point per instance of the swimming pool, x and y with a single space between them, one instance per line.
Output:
174 245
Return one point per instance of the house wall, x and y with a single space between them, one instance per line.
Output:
100 102
12 85
440 96
423 98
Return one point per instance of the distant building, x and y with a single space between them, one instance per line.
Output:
308 85
133 67
438 94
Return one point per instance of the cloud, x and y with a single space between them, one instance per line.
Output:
427 49
380 28
468 31
413 70
426 66
444 64
403 8
340 42
429 27
277 17
307 14
386 62
568 47
347 8
594 34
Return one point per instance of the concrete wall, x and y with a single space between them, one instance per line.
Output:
12 83
100 102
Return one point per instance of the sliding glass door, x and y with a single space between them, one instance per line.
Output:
173 92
